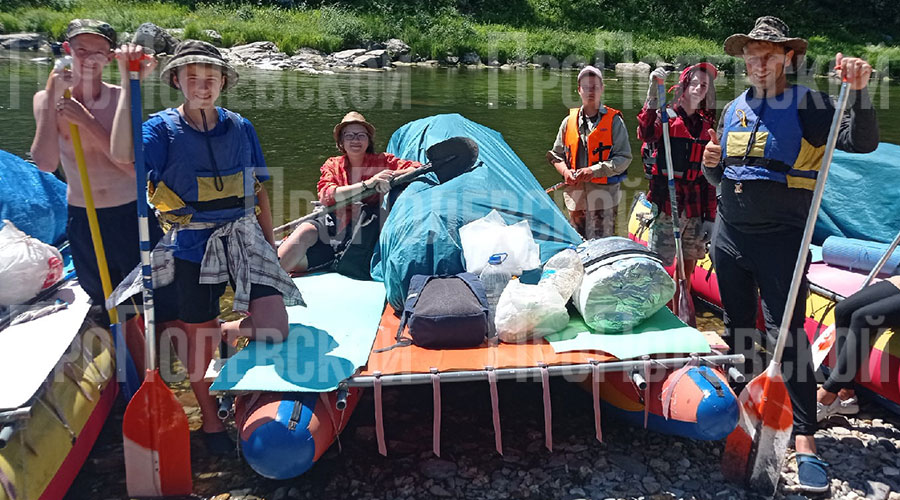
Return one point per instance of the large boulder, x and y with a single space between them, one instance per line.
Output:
214 37
396 48
348 55
372 59
632 69
155 38
471 58
255 53
308 57
23 41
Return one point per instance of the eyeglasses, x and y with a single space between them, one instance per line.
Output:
359 136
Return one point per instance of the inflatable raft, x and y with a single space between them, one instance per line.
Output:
331 353
857 209
59 374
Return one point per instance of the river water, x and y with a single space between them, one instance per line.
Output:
294 113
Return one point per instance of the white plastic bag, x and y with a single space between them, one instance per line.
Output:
27 265
526 312
490 235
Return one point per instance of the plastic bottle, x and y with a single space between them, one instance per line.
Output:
495 278
563 272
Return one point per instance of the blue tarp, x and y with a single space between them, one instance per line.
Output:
421 236
34 201
860 198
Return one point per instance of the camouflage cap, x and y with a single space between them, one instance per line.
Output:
93 27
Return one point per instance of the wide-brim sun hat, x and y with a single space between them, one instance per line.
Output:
198 52
767 29
349 119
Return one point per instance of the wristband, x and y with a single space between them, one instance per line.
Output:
364 185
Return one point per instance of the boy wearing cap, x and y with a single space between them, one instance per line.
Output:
205 166
91 107
591 153
773 139
694 107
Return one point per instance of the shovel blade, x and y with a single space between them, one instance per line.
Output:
452 157
755 450
156 442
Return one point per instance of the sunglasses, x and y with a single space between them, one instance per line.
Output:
359 136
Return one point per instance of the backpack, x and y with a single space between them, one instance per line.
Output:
444 312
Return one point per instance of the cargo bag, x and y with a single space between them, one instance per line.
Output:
444 312
624 284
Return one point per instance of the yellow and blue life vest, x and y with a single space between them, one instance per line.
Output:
207 177
763 140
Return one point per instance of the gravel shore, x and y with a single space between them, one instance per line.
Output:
631 463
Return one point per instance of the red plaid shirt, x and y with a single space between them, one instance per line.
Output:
695 198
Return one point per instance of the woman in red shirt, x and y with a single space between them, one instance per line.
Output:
344 240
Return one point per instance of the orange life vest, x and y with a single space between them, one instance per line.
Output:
599 142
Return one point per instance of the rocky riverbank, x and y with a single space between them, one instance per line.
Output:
376 56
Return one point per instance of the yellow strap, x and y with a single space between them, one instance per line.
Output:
92 216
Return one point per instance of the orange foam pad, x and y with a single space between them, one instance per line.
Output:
414 359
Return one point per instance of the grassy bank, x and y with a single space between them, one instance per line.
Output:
447 31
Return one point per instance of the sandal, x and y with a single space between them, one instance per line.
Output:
811 474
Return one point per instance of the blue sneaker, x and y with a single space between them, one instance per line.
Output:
812 474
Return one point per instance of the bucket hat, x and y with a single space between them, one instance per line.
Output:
767 29
198 52
348 119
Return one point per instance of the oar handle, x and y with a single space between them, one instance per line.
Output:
134 68
881 262
91 210
396 181
670 172
800 267
555 187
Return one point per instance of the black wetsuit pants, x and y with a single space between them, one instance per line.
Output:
750 267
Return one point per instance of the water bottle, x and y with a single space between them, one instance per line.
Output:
495 278
563 272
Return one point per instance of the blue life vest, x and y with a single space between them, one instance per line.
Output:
778 151
208 177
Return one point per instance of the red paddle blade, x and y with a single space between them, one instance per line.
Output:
156 442
683 304
756 449
822 346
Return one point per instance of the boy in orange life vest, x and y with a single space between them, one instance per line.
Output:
591 153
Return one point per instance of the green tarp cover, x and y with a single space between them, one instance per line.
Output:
662 333
329 340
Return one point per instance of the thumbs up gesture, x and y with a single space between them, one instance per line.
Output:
713 152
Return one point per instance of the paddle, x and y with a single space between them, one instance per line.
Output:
755 451
555 187
825 341
154 429
682 303
126 365
447 159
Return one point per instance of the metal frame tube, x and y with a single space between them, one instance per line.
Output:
556 370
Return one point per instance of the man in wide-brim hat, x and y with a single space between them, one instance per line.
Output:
772 142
